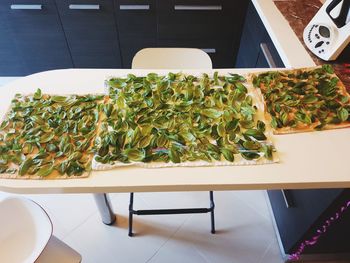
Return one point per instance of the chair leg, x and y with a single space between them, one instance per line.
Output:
212 206
131 204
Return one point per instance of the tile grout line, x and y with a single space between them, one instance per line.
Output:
145 201
265 252
254 208
200 254
79 225
166 241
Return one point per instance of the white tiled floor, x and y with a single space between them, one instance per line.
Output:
244 229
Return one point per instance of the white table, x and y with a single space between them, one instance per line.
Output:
307 160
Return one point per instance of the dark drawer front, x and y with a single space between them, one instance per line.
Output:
136 18
307 206
91 32
137 26
33 38
256 47
196 19
221 52
11 63
252 35
268 56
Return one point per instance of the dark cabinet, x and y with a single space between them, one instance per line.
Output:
211 25
91 32
300 220
32 38
136 18
194 19
256 48
311 210
137 27
253 34
48 34
261 61
267 55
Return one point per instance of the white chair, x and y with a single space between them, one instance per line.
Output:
171 58
26 235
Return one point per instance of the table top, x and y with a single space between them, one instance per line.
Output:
307 160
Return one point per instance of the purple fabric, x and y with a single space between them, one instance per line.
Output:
319 232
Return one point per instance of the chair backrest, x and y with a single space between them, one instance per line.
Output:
25 229
171 58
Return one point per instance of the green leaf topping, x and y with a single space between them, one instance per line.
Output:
342 114
45 170
44 131
228 154
23 168
134 154
257 134
211 113
303 97
178 118
155 118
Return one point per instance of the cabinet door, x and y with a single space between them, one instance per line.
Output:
256 49
32 39
137 27
262 61
136 18
252 35
306 207
336 239
200 19
91 32
268 56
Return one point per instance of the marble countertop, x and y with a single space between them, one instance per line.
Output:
285 22
290 49
298 14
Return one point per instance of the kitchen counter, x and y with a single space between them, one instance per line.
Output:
291 51
285 22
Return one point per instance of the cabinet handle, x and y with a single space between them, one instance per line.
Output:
287 196
26 7
267 54
209 50
134 7
84 7
198 7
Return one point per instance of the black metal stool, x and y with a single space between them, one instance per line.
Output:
172 212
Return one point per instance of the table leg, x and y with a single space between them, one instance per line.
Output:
105 208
